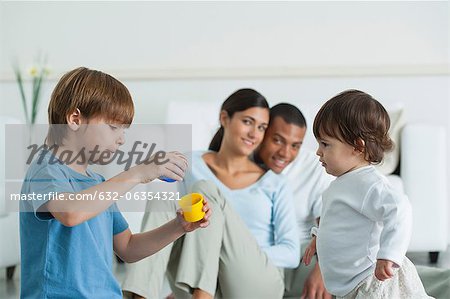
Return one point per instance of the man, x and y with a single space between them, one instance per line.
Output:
280 151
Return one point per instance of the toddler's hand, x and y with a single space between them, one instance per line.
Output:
309 252
174 168
383 270
191 226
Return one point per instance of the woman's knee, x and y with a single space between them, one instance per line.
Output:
210 190
203 185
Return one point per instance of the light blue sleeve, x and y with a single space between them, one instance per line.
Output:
47 180
119 222
286 251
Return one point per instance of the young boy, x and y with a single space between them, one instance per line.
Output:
67 245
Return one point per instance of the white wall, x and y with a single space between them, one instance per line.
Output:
137 37
424 98
303 52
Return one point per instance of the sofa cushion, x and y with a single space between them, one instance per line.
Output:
392 158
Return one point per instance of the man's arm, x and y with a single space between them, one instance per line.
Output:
314 287
309 252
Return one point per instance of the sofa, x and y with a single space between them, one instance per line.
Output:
423 172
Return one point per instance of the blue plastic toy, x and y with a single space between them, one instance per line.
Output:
166 179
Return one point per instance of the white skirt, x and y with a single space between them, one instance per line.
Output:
405 284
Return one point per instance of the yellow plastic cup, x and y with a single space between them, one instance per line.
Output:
192 206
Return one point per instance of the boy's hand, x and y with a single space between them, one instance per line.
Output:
174 168
309 252
383 270
191 226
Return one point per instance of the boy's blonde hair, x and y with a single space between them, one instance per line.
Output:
354 115
94 94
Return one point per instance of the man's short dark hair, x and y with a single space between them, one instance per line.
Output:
289 113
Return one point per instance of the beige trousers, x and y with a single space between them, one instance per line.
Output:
223 259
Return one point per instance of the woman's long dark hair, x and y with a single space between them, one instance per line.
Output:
239 100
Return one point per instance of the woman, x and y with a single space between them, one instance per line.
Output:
252 233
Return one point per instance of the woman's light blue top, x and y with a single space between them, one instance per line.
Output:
266 207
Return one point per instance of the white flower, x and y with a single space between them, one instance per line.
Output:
33 71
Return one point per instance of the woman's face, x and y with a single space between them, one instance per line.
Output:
244 131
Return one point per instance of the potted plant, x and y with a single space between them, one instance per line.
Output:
37 74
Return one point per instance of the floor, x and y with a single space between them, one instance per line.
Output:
9 289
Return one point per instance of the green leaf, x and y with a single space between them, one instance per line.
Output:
37 82
22 93
35 91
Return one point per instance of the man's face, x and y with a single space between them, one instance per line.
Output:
281 144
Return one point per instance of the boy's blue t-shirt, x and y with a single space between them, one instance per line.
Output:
59 261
